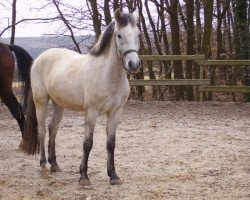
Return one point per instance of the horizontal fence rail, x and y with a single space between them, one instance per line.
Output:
204 85
224 62
169 82
171 57
227 89
222 88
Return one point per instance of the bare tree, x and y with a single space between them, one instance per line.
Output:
107 15
190 44
96 17
147 49
67 24
208 19
172 9
242 26
13 28
14 22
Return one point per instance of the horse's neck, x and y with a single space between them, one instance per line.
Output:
115 65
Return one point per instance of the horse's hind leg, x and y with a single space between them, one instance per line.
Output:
53 127
41 104
15 108
112 122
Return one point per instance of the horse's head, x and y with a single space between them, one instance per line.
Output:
127 40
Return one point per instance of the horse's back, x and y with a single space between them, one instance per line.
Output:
54 55
51 60
54 52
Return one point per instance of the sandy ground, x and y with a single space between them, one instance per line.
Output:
164 150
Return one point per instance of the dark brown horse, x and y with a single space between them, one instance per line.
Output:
7 67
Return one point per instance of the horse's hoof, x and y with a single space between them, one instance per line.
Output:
55 168
116 181
84 182
43 165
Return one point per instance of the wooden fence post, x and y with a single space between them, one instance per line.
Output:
201 94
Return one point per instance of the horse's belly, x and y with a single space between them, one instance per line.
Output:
69 104
67 98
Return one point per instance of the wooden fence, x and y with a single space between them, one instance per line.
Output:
204 85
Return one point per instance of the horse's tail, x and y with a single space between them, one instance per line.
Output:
31 143
24 62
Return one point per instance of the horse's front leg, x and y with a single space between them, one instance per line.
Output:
90 120
112 122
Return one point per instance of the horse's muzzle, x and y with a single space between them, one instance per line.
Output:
133 67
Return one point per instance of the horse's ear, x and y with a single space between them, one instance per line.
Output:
118 14
136 15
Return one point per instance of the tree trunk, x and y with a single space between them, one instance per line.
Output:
220 15
235 31
117 4
242 27
95 18
148 49
208 18
167 64
107 15
13 28
198 35
229 33
175 35
190 44
154 32
156 38
222 7
131 4
182 17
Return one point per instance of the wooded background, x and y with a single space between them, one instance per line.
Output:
217 28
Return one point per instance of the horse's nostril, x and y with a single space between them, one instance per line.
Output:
130 64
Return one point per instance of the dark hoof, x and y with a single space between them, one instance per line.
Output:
43 165
116 181
84 182
55 168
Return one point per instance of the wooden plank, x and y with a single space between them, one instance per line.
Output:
225 89
224 62
169 82
171 57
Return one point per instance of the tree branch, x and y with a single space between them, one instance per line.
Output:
25 20
56 3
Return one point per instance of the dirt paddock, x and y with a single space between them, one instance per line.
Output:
164 150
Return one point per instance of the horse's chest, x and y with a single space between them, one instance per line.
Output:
113 100
113 103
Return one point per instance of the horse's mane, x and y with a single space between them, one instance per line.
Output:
103 40
105 37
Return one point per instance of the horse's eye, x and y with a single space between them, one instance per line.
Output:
119 36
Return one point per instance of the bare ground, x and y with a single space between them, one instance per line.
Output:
164 150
